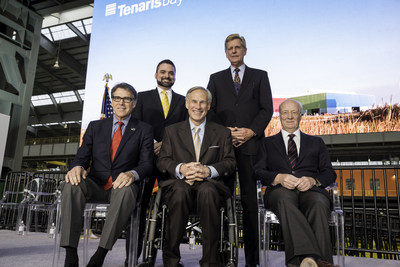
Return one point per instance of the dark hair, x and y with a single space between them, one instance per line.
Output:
125 86
166 61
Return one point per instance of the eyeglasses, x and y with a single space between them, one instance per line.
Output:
124 99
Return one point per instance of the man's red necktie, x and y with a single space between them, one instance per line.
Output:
113 150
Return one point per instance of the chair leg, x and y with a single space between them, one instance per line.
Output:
267 231
86 233
261 241
134 237
29 218
341 238
21 209
56 249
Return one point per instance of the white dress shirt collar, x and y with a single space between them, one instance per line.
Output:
296 139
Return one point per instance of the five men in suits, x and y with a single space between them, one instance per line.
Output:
119 153
296 167
158 107
242 101
195 154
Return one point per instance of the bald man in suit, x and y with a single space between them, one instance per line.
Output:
296 168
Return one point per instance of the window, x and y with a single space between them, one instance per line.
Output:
350 184
377 184
65 97
41 100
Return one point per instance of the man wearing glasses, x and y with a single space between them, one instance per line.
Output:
119 152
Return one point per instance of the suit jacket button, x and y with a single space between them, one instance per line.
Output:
293 172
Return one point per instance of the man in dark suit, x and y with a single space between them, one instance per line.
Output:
158 107
195 153
296 167
119 153
242 101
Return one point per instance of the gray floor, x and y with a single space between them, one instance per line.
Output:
36 250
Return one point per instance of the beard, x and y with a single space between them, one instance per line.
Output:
165 83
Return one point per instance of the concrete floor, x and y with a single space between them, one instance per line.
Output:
36 250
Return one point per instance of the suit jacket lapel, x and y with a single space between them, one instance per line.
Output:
208 133
304 143
247 77
185 135
108 131
280 146
229 80
157 101
173 103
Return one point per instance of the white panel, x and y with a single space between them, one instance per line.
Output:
4 122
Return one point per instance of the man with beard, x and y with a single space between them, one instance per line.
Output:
158 107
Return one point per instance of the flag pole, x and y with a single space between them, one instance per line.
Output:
106 108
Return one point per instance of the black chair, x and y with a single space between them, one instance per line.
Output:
154 231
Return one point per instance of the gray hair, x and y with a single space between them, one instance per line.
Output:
234 36
297 102
209 95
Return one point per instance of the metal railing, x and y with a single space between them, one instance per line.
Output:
371 204
12 188
370 201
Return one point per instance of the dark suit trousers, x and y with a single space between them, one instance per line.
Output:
248 195
181 198
304 220
73 198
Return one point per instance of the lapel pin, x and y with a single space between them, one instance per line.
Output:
133 129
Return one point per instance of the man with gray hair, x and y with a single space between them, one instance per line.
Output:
242 102
195 154
296 168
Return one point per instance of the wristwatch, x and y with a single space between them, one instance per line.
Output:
209 173
317 183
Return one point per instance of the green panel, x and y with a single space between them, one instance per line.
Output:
309 102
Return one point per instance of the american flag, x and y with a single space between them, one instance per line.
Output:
106 108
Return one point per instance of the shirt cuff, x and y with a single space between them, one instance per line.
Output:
214 172
177 173
137 178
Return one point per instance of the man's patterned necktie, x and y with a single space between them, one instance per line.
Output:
236 81
292 151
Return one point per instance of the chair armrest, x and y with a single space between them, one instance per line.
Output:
260 197
334 192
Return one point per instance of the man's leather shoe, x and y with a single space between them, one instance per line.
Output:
322 263
310 262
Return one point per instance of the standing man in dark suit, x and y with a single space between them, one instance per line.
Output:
296 167
119 153
158 107
242 102
195 153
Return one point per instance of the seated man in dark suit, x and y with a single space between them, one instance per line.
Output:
119 152
296 167
195 154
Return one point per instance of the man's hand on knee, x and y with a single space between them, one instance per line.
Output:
124 179
305 183
75 174
287 180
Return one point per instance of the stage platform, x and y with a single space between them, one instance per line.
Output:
36 250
